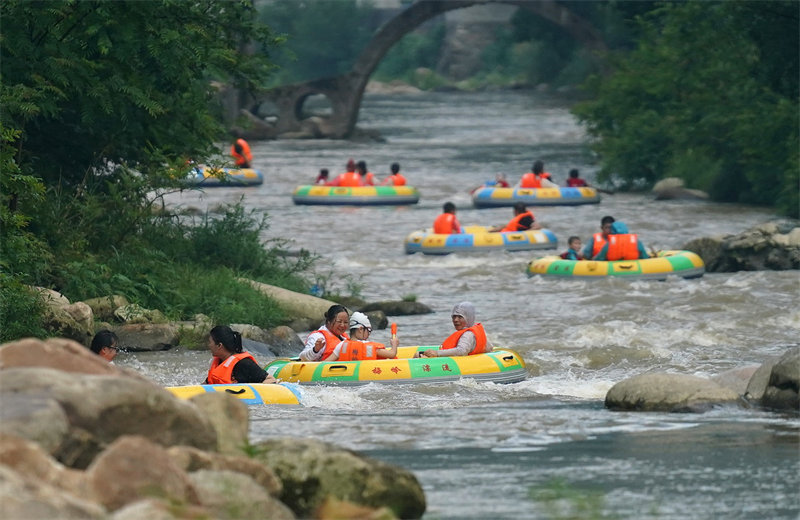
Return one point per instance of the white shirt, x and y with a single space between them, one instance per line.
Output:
308 353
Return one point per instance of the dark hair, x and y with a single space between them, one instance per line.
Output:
607 220
519 207
395 167
230 339
238 147
362 166
449 207
573 173
538 167
103 338
573 238
323 172
334 311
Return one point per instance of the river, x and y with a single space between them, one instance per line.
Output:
545 447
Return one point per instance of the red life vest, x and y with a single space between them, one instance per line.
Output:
597 245
514 224
530 180
331 340
622 247
480 337
575 183
349 179
243 159
220 373
446 224
353 350
398 180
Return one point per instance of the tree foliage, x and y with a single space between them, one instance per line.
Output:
710 95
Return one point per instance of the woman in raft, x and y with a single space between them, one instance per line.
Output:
468 339
229 363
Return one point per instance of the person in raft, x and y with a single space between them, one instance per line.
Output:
357 347
240 151
350 177
574 180
322 178
446 223
468 339
573 251
523 220
537 178
622 245
396 178
598 240
367 177
321 342
104 344
229 363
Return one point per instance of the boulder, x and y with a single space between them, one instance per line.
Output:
296 305
332 509
192 459
228 494
772 245
100 408
51 298
783 389
736 379
758 382
673 188
397 308
312 470
146 337
279 342
58 353
133 313
667 393
34 499
133 467
228 416
104 308
159 509
378 319
34 416
73 321
285 342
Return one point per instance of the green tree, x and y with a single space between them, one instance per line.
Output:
710 95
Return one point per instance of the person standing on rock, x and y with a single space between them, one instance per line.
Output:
104 344
229 363
321 342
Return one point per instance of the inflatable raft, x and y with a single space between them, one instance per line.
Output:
207 176
488 197
355 196
499 366
255 393
478 238
678 263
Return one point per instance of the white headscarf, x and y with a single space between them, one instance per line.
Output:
467 311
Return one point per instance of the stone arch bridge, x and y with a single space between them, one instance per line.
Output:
345 92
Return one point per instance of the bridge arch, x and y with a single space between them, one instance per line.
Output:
346 91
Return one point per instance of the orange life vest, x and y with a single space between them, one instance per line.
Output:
331 340
598 242
446 224
514 225
220 373
369 179
622 247
398 180
245 157
530 180
353 350
480 336
349 179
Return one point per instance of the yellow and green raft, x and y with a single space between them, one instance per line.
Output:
488 197
230 177
478 238
355 195
254 393
685 264
499 366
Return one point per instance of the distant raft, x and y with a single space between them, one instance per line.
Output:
254 393
230 177
498 366
477 239
355 195
678 263
488 197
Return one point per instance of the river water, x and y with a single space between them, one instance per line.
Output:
545 447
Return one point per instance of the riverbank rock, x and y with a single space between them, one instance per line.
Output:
783 389
662 392
397 308
278 342
673 188
296 305
69 320
312 471
104 308
773 245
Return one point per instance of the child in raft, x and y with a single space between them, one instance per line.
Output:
573 249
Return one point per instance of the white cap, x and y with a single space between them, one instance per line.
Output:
359 319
